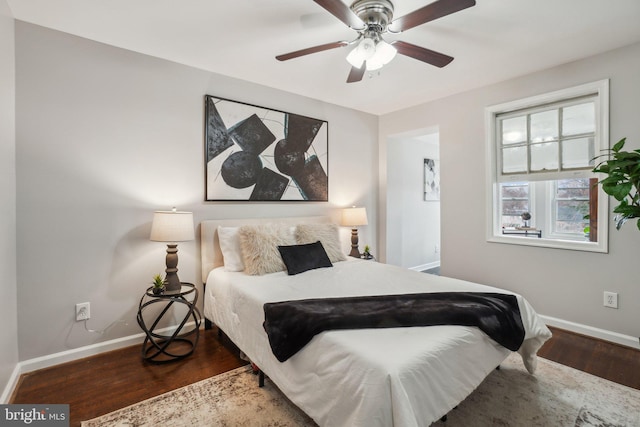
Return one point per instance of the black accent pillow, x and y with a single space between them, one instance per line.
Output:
300 258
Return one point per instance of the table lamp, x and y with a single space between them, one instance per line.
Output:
171 227
354 217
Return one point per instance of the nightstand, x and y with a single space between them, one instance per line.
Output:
168 343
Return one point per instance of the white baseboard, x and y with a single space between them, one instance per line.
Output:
63 357
73 354
11 385
614 337
424 267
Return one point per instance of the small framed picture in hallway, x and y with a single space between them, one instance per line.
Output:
431 180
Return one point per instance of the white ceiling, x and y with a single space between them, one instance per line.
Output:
491 41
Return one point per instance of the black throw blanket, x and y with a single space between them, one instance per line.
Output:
290 325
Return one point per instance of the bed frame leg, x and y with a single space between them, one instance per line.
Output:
260 379
208 324
444 417
498 368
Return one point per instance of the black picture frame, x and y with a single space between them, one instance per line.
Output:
255 153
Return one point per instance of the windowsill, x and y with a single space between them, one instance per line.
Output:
573 245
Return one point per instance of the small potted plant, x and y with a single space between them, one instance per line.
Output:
158 284
366 254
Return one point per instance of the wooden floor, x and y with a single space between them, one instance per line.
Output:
614 362
109 381
103 383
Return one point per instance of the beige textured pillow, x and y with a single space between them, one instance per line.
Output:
259 246
327 234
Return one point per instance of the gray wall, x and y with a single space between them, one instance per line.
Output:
563 284
8 286
106 136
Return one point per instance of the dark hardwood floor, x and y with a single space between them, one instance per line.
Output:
614 362
103 383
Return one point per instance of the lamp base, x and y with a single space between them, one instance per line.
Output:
171 281
355 252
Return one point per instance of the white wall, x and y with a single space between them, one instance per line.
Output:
8 284
413 224
563 284
106 136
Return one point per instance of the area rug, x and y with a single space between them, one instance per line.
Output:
555 396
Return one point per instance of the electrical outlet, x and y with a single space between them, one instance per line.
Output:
83 311
436 249
610 299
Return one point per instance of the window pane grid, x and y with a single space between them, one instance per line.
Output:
547 147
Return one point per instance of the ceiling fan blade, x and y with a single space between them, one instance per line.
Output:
432 11
356 74
421 54
310 50
342 12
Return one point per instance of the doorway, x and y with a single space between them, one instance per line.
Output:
413 210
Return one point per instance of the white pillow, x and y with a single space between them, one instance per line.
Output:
259 244
230 245
329 236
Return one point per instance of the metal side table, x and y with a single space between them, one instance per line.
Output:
166 344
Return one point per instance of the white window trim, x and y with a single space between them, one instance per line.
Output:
493 228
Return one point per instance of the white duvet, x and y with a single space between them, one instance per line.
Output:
368 377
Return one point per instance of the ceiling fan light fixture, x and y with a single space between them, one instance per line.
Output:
366 48
384 54
371 19
355 59
361 53
373 65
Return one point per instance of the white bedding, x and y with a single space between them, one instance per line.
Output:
368 377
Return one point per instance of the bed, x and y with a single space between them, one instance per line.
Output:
398 376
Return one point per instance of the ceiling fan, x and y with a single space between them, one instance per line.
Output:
373 18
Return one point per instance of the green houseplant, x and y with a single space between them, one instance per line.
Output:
367 252
622 182
158 284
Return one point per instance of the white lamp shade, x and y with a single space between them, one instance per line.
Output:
373 65
355 59
354 217
365 50
384 54
172 226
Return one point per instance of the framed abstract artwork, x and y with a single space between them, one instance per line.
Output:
431 180
257 154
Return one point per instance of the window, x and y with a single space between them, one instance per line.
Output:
515 202
570 206
541 154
